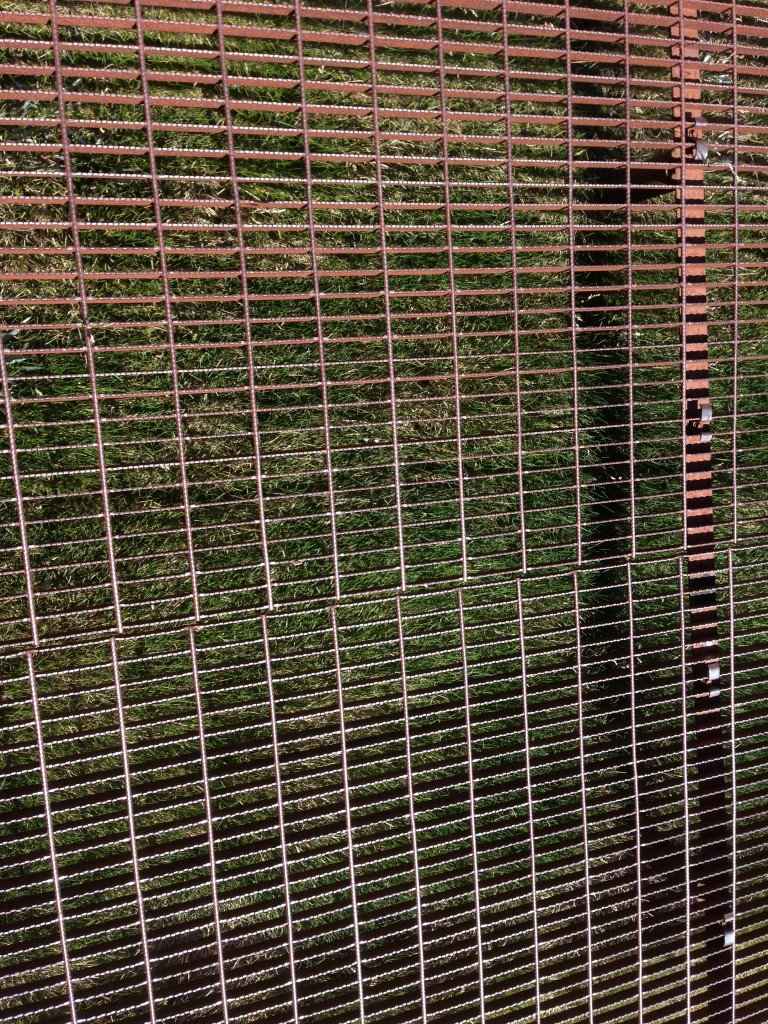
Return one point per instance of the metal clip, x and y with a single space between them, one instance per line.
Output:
700 123
702 149
705 412
713 684
729 932
713 676
705 435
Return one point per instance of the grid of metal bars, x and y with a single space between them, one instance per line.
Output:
382 477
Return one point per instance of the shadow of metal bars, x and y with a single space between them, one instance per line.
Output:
382 477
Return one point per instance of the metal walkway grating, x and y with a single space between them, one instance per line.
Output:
381 477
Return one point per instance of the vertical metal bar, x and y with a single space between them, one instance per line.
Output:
529 800
57 897
348 816
733 784
472 821
451 286
515 286
636 795
683 203
712 864
249 347
209 825
144 937
412 810
167 303
385 287
583 790
735 99
281 819
84 313
18 494
686 795
697 458
316 292
630 282
572 276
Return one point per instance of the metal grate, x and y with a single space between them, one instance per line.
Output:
382 477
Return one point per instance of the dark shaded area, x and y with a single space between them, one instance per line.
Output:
603 340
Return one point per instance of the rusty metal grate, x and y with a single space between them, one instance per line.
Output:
382 471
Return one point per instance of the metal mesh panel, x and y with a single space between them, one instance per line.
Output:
381 482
